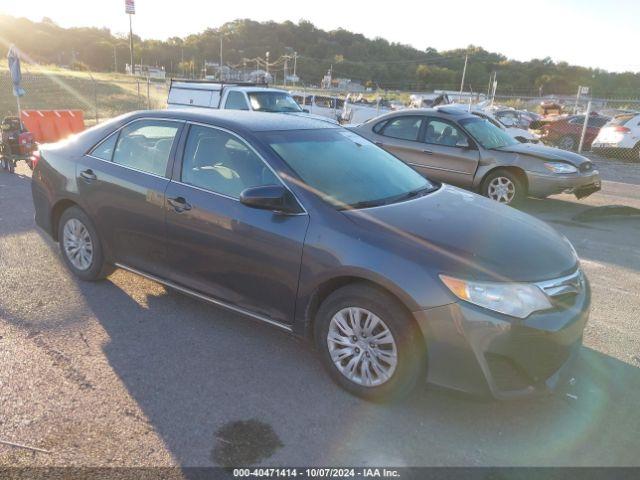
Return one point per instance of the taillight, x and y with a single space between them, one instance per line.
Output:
621 129
35 158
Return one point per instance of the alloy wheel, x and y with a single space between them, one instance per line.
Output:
77 244
501 189
362 346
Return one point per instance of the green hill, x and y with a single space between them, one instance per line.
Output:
375 62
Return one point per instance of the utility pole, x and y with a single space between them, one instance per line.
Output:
285 71
464 72
130 9
131 44
220 57
115 59
295 63
267 69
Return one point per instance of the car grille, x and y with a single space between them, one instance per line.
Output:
563 291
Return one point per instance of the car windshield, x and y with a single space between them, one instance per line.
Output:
346 170
487 134
273 102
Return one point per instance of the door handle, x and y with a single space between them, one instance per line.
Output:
179 204
428 152
88 175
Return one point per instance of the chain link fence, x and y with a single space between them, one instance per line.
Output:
612 129
99 96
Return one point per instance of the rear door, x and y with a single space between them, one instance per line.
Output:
242 256
449 153
122 182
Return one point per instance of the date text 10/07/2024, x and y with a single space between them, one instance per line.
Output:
316 472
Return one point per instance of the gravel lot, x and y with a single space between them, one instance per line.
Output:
125 372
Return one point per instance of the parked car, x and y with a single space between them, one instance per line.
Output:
235 96
312 229
620 137
458 147
515 118
565 132
519 134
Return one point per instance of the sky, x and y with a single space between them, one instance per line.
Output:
593 33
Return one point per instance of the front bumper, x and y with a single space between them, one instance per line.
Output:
580 184
474 350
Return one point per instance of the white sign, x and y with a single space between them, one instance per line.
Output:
584 90
130 6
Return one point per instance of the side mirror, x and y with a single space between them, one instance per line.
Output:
305 110
270 197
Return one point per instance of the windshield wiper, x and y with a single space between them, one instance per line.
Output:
389 200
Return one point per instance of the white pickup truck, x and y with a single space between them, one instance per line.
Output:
231 96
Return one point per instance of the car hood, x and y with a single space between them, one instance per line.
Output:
546 153
464 234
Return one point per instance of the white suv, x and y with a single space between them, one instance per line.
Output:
620 136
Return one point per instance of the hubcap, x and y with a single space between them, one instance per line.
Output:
77 244
362 347
501 189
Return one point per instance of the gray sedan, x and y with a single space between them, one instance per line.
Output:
454 146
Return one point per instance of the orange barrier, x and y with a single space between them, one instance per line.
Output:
52 125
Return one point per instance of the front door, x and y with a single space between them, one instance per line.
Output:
240 255
122 182
400 137
449 154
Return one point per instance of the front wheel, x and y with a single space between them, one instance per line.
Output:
369 344
503 187
80 246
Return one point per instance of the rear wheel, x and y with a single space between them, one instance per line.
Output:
80 245
504 186
369 344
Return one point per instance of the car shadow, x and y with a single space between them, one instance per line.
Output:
198 372
602 237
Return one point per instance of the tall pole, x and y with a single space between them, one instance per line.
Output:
131 45
220 57
267 68
115 59
285 70
295 63
464 72
584 126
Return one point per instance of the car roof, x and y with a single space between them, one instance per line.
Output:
444 111
239 120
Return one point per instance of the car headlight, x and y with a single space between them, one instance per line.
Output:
514 299
558 167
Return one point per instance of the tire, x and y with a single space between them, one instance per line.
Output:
89 263
404 339
568 142
504 186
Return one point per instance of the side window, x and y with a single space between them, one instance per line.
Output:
218 161
404 128
236 101
146 144
104 150
439 132
379 126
